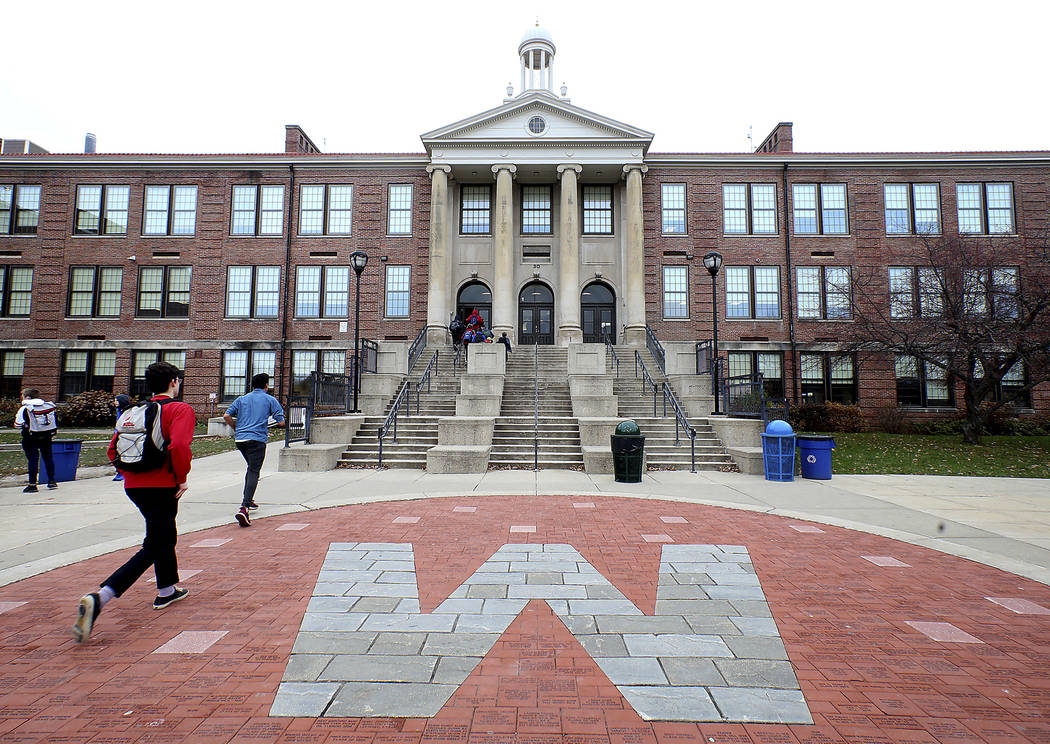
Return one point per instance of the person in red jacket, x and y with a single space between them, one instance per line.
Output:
156 493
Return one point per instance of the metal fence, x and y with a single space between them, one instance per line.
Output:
417 347
321 394
655 348
704 357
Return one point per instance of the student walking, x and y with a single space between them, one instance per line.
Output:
36 419
151 447
249 415
505 341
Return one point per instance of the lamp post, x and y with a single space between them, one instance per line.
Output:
358 260
713 262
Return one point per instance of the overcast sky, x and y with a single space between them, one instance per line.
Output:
220 77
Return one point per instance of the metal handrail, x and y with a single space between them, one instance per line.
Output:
681 419
459 358
391 419
536 423
417 347
612 350
425 378
647 378
655 348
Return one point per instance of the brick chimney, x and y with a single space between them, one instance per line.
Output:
296 141
779 140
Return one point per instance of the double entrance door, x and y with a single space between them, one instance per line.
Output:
536 324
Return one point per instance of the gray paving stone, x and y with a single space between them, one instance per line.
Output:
559 607
671 703
675 644
407 605
307 699
603 644
606 591
695 671
580 624
521 548
483 623
559 548
330 604
688 553
504 606
406 622
694 607
342 546
459 644
305 667
544 577
683 591
331 621
356 699
760 705
733 549
757 673
735 558
642 624
496 578
685 578
375 604
455 669
346 576
497 566
396 577
347 561
711 624
734 592
756 647
406 547
744 579
544 591
531 566
388 555
584 578
456 606
750 608
486 591
507 556
707 567
331 588
397 643
602 607
332 642
756 626
363 589
378 668
631 671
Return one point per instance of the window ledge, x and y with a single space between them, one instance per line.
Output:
157 236
676 320
928 409
96 236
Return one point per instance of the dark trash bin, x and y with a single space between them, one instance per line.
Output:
778 451
66 454
628 451
814 455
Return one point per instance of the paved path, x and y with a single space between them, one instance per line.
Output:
397 606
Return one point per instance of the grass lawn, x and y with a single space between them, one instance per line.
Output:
913 454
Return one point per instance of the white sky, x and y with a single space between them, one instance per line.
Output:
220 77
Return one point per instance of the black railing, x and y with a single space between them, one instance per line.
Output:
391 419
417 347
681 420
460 359
647 380
655 348
744 396
297 414
425 378
324 394
612 350
704 358
369 355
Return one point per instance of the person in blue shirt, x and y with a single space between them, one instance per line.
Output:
249 416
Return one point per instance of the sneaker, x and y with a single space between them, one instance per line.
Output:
161 602
31 488
242 517
118 477
52 485
252 505
87 610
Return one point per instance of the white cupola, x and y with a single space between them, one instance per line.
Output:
537 61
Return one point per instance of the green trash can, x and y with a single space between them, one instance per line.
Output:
628 451
66 454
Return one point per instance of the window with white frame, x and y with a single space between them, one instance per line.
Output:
140 360
752 292
16 291
597 210
257 210
322 291
820 208
475 209
164 292
170 210
19 209
672 208
12 363
749 208
536 210
325 209
86 370
239 367
101 210
823 292
676 292
985 208
912 208
399 209
252 291
397 291
94 292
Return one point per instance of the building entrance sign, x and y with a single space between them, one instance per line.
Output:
536 315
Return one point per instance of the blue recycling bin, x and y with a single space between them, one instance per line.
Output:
66 454
814 454
778 451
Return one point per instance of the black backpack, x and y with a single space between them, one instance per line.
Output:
141 445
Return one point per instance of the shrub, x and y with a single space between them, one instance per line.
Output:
91 408
891 420
827 417
938 426
8 408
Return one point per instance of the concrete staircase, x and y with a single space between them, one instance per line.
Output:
416 432
515 427
635 401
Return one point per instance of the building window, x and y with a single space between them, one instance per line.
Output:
94 292
101 210
672 200
676 292
931 292
16 291
823 293
257 210
749 209
752 292
142 359
919 383
536 210
252 291
304 363
19 209
11 365
397 286
86 370
164 292
597 210
170 210
828 377
322 291
475 211
985 208
325 210
238 368
770 364
825 215
1009 387
924 284
912 209
399 209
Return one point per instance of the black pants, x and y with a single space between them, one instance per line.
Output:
254 453
159 506
36 448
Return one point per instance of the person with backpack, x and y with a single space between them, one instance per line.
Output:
249 415
151 447
121 403
37 421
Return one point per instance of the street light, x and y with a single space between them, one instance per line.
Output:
713 262
358 260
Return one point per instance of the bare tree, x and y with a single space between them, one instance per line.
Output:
970 309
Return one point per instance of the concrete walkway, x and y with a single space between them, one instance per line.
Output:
1000 522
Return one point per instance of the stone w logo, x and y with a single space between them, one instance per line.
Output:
711 652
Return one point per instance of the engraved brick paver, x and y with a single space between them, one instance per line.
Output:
820 612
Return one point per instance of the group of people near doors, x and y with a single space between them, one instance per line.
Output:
473 331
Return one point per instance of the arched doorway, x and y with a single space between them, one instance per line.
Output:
475 296
598 313
536 315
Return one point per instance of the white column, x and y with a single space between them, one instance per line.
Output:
504 300
634 258
567 309
438 296
550 73
522 88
